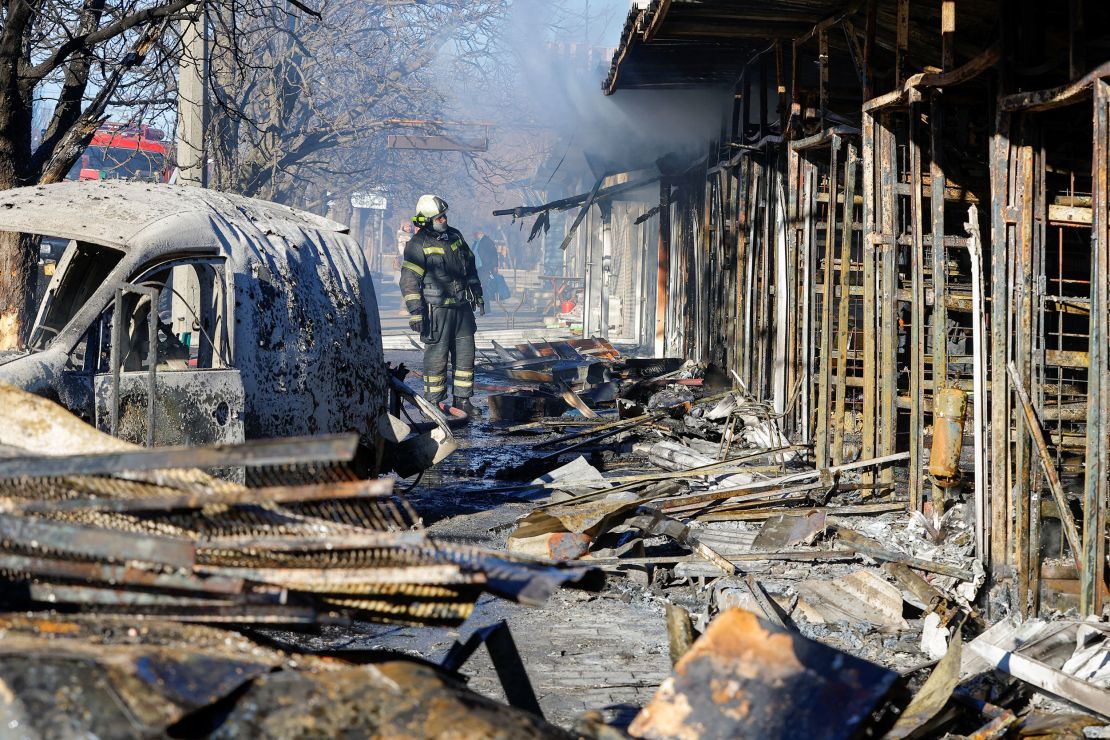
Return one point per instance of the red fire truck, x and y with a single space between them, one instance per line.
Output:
124 151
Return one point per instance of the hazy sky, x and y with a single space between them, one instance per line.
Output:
595 22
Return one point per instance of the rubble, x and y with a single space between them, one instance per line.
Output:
102 537
824 554
744 678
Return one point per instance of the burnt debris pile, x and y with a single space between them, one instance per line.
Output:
118 563
806 581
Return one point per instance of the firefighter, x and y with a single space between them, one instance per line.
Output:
441 290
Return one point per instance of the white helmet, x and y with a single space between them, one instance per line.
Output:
428 208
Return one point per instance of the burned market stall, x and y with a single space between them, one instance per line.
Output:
885 278
903 217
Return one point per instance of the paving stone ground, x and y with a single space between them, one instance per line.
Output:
601 654
581 651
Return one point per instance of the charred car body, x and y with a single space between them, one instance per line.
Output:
246 319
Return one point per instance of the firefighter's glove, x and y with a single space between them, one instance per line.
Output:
481 307
416 324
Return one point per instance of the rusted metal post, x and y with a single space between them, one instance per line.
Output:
780 87
116 357
808 260
979 386
870 334
706 275
783 322
751 299
745 104
947 34
766 279
823 60
588 273
999 336
663 273
760 252
901 41
151 361
795 103
1076 56
851 164
917 306
795 281
1033 424
1098 384
888 337
743 241
764 117
606 208
936 207
869 49
824 408
1035 367
1022 290
743 193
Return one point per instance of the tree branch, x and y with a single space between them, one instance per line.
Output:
112 30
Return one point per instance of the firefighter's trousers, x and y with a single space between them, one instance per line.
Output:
450 336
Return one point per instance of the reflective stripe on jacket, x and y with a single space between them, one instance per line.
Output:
438 270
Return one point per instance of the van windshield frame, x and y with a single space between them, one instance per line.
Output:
86 267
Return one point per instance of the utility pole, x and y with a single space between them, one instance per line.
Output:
192 99
192 156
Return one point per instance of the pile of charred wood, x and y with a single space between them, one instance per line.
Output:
808 583
121 567
544 379
148 532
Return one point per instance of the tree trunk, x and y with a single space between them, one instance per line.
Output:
18 279
340 210
18 252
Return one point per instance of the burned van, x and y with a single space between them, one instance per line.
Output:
179 315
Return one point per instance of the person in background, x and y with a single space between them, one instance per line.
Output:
404 233
441 289
486 253
504 258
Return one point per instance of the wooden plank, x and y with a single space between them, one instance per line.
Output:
1071 534
1070 215
1044 677
1066 358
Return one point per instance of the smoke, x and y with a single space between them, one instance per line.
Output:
552 130
560 54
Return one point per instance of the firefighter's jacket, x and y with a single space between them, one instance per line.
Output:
438 270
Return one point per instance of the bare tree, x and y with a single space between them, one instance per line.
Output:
90 54
312 101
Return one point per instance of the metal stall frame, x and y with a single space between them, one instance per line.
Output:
1018 200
